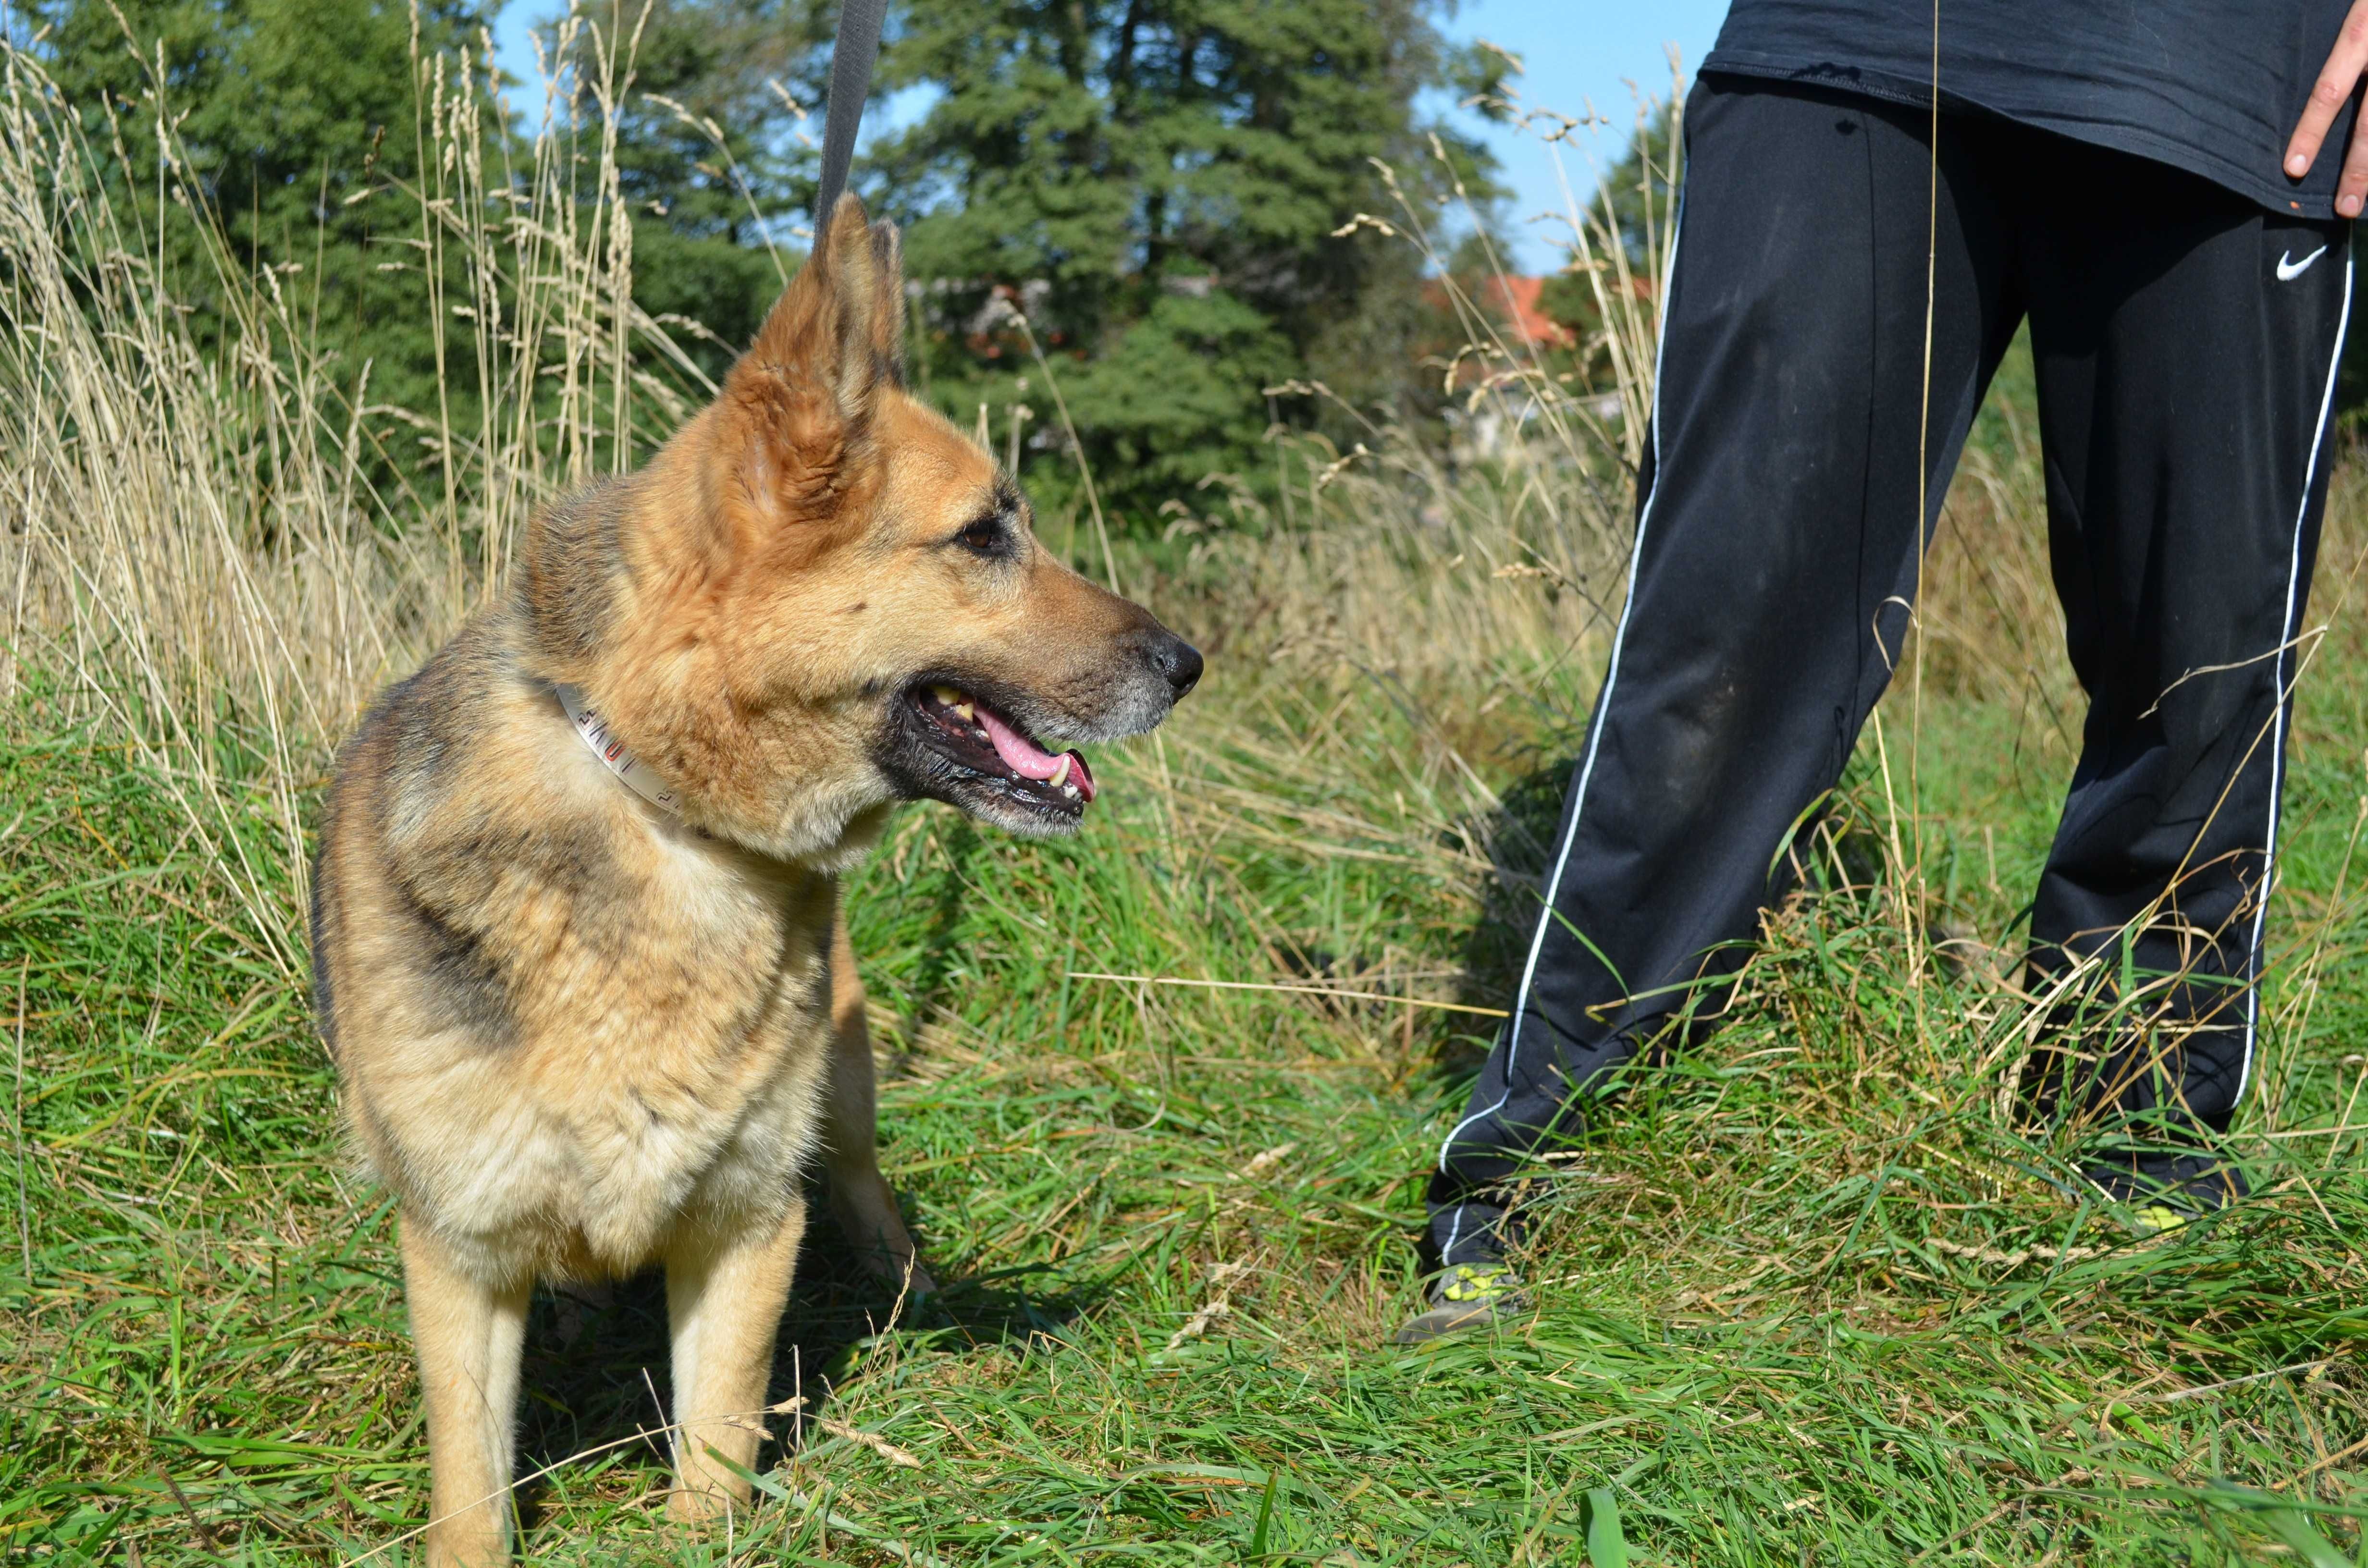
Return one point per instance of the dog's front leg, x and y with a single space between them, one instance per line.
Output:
860 1199
469 1336
724 1296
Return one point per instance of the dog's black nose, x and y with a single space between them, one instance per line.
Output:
1176 659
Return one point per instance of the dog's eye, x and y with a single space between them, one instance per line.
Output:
985 537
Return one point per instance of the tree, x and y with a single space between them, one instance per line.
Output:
286 114
708 97
315 135
1160 183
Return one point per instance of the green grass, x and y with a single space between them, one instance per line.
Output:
1803 1297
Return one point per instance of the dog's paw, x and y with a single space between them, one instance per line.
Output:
698 1500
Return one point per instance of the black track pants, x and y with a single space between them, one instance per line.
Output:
2184 341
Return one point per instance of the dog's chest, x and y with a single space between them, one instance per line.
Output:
671 1053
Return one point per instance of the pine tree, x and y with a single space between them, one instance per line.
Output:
285 113
1157 184
708 153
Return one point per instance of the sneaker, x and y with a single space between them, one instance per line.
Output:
1465 1295
2164 1188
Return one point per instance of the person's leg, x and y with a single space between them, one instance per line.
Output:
1776 552
2185 342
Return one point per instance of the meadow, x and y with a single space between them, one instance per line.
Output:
1805 1294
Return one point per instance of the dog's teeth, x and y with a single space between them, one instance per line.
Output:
946 695
1060 773
965 710
1070 790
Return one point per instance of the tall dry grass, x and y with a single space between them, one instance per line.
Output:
1473 589
197 560
196 555
194 564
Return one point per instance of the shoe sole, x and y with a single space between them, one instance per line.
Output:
1426 1327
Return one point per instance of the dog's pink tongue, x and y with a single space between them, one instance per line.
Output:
1029 760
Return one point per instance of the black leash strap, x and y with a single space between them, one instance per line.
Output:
850 84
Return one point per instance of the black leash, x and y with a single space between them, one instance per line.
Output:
850 84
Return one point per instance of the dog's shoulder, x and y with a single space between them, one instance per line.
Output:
412 747
479 789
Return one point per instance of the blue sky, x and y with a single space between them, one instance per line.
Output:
1577 53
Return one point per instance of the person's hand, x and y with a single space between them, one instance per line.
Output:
2344 64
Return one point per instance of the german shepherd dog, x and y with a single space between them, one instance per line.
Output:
593 1012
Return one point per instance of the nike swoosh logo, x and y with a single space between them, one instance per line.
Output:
2289 269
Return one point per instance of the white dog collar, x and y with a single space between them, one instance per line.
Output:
611 751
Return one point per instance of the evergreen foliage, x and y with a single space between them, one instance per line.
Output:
1157 184
708 154
289 114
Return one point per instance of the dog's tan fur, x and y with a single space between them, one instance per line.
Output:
579 1034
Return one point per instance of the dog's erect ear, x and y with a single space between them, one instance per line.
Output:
826 331
799 405
888 314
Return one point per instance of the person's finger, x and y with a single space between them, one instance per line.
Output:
2351 186
2336 80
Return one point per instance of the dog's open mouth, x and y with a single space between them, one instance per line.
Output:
981 743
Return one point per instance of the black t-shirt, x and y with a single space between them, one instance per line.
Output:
2213 86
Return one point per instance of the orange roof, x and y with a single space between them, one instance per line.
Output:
1516 299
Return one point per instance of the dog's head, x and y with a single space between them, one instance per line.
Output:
822 596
